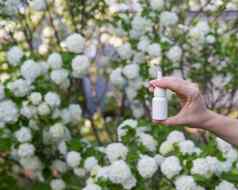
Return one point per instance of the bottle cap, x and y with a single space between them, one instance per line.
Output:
160 92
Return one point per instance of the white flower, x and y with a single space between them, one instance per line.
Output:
52 99
129 183
175 137
31 163
199 32
30 70
92 187
2 92
72 114
140 25
75 43
225 185
125 51
174 54
59 166
55 61
187 147
26 150
73 159
148 141
14 56
80 66
116 151
28 111
166 147
210 39
156 4
119 172
168 18
171 167
131 71
8 112
158 159
81 172
35 98
57 131
43 109
116 77
57 184
23 135
19 88
185 183
62 147
59 76
122 128
38 5
154 50
143 44
90 163
147 166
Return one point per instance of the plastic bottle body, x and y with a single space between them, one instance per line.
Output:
159 108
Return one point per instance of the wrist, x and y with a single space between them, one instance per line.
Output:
205 120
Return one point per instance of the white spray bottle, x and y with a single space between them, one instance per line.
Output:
159 102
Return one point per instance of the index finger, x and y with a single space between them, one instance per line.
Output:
177 85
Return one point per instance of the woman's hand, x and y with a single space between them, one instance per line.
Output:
194 111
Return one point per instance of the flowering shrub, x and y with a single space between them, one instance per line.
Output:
73 71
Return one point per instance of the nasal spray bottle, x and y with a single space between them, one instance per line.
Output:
159 102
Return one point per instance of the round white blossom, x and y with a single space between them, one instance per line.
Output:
8 112
131 71
73 159
57 184
148 141
80 66
175 137
225 185
147 166
59 166
52 99
14 56
19 88
43 109
81 172
174 54
30 70
143 44
140 25
185 183
168 18
116 78
210 39
166 147
59 76
31 163
75 43
90 163
154 50
26 150
171 167
187 147
28 111
92 187
55 61
125 51
156 4
35 98
2 92
57 131
116 151
38 5
23 135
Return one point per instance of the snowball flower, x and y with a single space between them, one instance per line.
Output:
125 51
26 150
166 147
80 66
175 137
187 147
57 131
2 92
92 187
154 50
19 88
148 141
156 4
75 43
38 5
31 163
73 159
72 114
35 98
116 151
59 166
116 78
143 44
210 39
14 56
185 183
43 109
28 111
131 71
52 99
8 112
59 76
174 54
225 185
23 135
171 167
147 166
55 61
90 163
168 18
30 70
57 184
122 128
